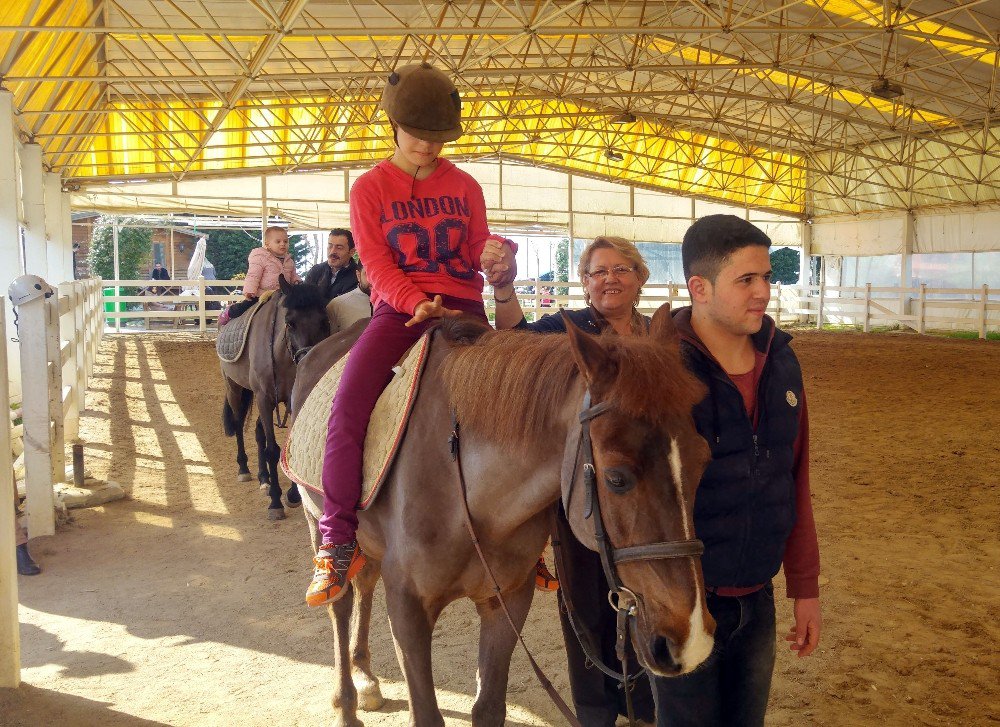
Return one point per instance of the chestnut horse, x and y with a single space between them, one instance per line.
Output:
285 328
518 398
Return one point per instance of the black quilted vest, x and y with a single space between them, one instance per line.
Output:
745 505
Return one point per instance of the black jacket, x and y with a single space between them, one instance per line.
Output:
745 505
160 274
345 280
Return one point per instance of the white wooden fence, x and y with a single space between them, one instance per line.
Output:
920 308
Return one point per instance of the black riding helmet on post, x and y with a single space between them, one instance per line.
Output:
423 102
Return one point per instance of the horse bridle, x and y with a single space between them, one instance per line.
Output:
623 601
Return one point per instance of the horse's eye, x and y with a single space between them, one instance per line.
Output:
619 480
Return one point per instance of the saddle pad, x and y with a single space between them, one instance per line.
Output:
302 456
233 336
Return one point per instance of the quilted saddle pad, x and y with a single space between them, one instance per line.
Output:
232 337
302 456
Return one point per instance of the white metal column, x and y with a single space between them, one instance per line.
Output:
10 646
67 223
36 261
58 248
10 242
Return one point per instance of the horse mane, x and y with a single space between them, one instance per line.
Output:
511 386
303 296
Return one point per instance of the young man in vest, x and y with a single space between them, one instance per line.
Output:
752 507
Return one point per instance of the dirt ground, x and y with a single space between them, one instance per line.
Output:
182 605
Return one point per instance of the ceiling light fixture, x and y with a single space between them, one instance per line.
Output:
614 155
625 117
884 88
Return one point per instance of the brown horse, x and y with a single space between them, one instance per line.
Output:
518 398
285 328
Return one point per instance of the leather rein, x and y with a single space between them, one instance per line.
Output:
622 600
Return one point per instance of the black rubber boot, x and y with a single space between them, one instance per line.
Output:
25 565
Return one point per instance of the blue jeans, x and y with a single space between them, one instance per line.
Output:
731 688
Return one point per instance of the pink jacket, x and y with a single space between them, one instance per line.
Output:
264 269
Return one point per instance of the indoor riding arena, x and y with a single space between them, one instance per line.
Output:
145 136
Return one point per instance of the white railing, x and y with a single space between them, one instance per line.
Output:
10 645
59 339
920 308
186 301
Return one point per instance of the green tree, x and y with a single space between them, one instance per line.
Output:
135 249
785 266
229 249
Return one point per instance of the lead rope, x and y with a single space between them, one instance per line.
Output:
282 421
453 442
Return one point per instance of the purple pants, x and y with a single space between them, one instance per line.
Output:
367 373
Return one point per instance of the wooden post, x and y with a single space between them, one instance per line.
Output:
538 297
40 502
868 308
921 304
118 290
201 303
80 339
819 312
10 644
53 355
982 311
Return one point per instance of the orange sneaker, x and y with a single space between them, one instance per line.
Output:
333 573
544 580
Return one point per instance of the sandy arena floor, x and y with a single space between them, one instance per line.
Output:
182 605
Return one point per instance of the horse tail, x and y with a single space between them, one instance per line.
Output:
232 421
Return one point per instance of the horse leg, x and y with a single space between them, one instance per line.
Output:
293 498
496 646
369 693
262 477
234 414
412 627
275 510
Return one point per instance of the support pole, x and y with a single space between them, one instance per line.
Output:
40 502
906 266
922 306
10 235
868 308
982 311
36 260
57 418
10 644
116 307
67 223
59 249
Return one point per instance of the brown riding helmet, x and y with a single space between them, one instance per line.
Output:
423 102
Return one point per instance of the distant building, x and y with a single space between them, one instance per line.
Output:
175 261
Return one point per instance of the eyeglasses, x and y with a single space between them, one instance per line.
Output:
601 274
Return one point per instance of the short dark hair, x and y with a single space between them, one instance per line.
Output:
341 232
712 240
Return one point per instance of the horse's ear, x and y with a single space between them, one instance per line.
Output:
662 326
590 356
285 286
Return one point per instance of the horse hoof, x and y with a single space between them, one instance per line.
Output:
342 721
264 486
276 513
245 477
291 504
370 698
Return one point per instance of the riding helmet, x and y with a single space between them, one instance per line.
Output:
424 103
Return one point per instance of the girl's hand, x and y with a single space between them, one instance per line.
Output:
497 261
431 309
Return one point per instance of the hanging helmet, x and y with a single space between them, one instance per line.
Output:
424 103
26 288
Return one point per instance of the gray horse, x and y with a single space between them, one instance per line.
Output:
285 328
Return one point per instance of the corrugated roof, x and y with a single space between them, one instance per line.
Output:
766 104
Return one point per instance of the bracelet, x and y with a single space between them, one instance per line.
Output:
508 299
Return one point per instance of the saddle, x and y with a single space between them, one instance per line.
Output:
232 337
302 456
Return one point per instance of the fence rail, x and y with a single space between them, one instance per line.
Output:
976 309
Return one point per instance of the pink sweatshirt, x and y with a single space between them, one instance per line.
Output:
264 269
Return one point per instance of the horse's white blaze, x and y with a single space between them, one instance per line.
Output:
699 644
678 475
